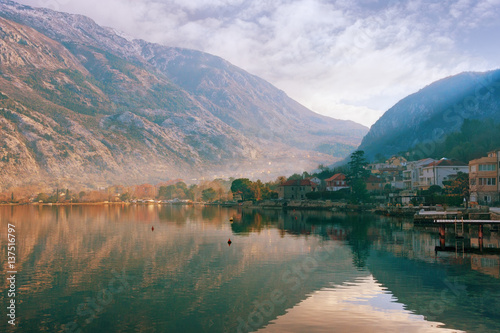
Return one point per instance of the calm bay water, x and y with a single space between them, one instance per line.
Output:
104 269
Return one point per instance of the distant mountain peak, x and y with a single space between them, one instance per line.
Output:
93 105
434 111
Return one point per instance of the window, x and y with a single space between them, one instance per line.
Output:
473 181
487 167
487 181
473 168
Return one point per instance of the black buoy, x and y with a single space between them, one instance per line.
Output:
229 242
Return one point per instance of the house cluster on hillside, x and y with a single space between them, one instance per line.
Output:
484 176
405 178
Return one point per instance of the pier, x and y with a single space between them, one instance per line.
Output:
459 231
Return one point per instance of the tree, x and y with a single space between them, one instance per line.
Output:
208 194
458 186
182 186
356 176
433 195
257 189
125 196
42 197
193 192
322 167
295 176
166 192
243 186
280 180
324 173
434 189
180 193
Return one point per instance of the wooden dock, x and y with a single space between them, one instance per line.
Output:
449 221
430 217
460 230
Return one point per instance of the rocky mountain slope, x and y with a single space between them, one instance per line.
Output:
79 104
427 116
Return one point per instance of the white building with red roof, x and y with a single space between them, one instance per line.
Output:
438 171
336 182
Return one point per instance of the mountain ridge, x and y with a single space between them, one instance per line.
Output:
427 116
97 109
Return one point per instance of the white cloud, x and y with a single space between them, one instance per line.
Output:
346 59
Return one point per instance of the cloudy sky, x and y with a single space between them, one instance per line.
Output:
349 59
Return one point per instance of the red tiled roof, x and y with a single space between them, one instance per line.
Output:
337 176
298 182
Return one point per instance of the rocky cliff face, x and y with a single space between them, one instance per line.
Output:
81 105
435 111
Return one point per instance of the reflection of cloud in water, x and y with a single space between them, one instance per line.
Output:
360 306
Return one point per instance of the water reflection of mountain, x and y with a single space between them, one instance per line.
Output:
457 289
184 277
462 298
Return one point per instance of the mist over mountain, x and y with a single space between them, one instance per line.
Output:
80 104
428 116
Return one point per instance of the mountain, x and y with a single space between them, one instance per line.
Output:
475 139
428 116
80 104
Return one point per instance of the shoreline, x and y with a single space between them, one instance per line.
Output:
65 204
301 205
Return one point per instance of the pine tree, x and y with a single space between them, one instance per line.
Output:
357 175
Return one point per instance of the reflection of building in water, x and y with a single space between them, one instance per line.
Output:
492 242
486 264
306 223
336 233
409 244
